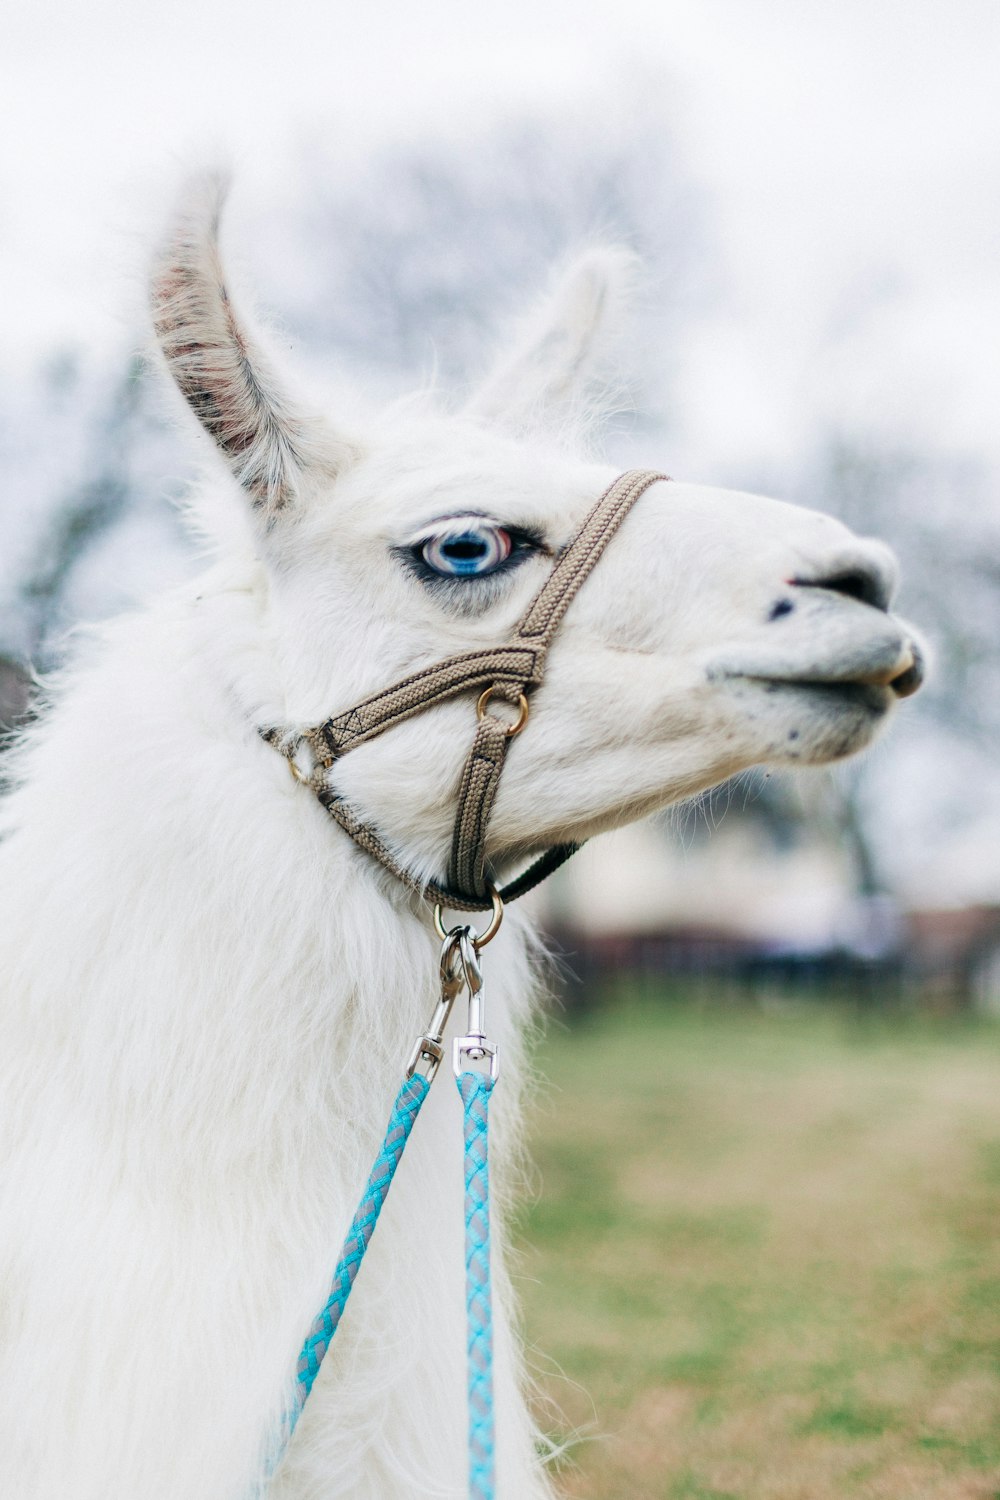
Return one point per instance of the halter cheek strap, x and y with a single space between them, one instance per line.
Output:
510 671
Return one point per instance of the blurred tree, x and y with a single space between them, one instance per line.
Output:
941 517
101 441
95 502
15 694
408 265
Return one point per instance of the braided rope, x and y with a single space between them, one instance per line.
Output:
411 1096
475 1089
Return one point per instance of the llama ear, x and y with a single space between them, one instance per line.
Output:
559 349
226 381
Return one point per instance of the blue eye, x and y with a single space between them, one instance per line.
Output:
467 553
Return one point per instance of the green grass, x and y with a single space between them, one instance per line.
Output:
763 1257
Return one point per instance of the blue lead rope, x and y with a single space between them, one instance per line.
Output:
475 1089
411 1096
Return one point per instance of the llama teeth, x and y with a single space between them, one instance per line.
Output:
911 671
905 662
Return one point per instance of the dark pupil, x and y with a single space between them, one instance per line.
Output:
460 550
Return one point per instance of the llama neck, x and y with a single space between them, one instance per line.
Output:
230 968
209 999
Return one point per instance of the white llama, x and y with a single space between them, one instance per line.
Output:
209 992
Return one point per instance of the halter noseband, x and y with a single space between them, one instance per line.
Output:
510 671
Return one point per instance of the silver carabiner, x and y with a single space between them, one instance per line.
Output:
428 1049
474 1045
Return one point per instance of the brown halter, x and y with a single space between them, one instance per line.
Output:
510 671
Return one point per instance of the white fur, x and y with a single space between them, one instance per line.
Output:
209 992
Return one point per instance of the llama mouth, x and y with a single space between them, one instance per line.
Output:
874 683
901 677
870 697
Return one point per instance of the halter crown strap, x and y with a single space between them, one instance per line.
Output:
510 670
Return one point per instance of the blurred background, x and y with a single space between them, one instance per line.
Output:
762 1254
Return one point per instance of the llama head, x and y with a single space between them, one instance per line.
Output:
720 631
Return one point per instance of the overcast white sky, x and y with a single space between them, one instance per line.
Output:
841 142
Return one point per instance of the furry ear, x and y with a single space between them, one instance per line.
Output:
560 348
223 377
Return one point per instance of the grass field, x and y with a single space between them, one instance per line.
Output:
763 1255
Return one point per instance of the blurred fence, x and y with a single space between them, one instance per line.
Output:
945 961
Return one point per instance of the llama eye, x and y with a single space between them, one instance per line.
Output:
468 553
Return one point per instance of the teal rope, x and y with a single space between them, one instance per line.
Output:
404 1112
475 1089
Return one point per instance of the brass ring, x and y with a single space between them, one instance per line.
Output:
479 939
522 711
297 773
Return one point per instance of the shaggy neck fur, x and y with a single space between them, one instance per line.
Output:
218 1085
